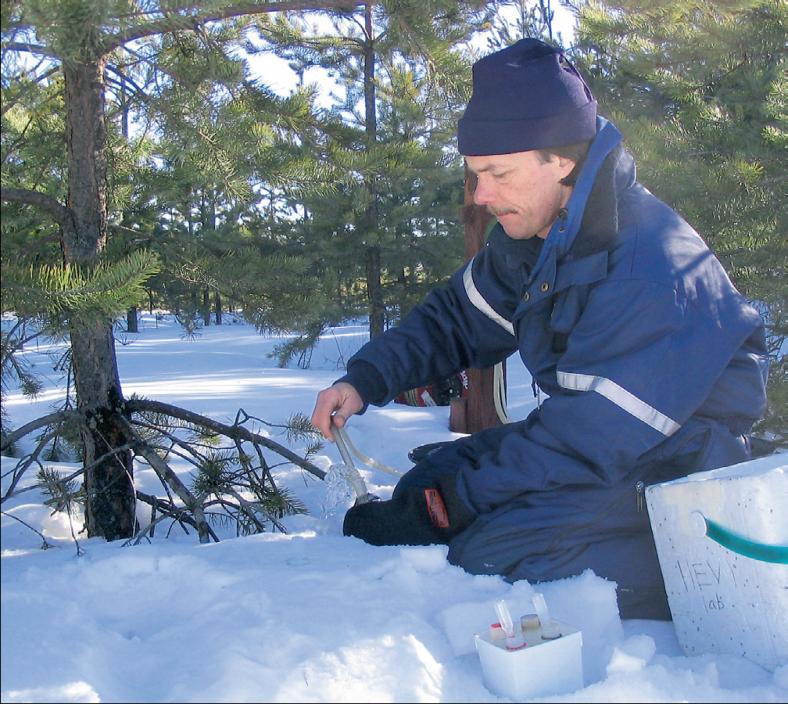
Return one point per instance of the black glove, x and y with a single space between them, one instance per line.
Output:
420 516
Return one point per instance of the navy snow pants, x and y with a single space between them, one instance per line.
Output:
620 549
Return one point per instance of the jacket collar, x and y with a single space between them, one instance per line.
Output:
592 210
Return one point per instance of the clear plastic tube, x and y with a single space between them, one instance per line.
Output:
514 636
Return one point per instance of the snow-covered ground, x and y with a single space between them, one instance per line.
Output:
305 616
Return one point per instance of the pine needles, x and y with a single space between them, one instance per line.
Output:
232 479
60 293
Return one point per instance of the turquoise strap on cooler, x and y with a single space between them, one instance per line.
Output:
744 546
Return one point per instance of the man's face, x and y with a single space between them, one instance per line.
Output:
522 190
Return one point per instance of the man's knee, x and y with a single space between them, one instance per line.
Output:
507 547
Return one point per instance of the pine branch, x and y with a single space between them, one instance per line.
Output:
115 451
68 291
248 508
30 49
8 104
231 431
196 22
45 545
124 80
25 463
62 215
50 419
169 510
164 471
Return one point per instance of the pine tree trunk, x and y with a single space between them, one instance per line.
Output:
374 292
206 307
131 320
373 265
110 499
217 307
131 313
402 291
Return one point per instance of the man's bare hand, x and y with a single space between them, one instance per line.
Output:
337 403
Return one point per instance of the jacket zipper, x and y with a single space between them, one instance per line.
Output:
537 393
640 488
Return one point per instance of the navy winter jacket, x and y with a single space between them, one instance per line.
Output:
653 362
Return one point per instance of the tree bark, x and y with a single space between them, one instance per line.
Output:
206 307
109 486
217 307
373 264
131 320
374 292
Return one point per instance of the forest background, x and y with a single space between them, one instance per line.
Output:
146 163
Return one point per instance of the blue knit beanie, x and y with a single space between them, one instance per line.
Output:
526 96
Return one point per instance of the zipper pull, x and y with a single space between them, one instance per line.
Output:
537 393
640 488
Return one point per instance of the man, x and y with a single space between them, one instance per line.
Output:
651 359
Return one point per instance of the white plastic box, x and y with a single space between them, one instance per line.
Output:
541 669
723 600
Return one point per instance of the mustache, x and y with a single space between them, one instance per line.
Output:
500 211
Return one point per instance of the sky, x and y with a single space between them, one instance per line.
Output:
307 615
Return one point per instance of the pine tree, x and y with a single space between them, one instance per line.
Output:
526 18
403 78
80 39
698 88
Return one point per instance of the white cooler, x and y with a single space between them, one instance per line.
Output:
722 541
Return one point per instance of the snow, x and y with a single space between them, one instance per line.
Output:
305 616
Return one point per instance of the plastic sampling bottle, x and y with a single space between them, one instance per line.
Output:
550 629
